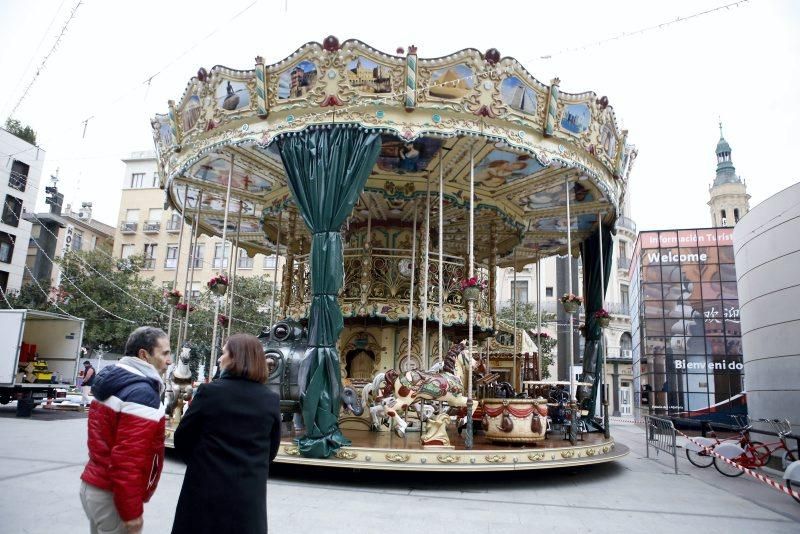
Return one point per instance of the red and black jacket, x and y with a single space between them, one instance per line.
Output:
126 434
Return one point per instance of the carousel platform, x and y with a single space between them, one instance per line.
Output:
387 451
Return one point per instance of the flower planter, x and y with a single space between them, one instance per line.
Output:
471 294
571 306
173 299
515 420
603 321
219 289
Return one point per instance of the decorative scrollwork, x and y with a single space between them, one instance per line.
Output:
398 458
495 459
590 452
567 454
448 459
536 456
345 455
292 451
605 449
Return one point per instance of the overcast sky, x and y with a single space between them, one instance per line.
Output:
668 86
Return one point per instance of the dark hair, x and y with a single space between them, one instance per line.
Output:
144 337
87 362
247 357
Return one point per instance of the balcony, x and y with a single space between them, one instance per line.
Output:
128 227
151 227
623 264
625 223
173 227
18 181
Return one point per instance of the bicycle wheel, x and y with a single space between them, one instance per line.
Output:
699 458
758 455
746 459
789 457
796 488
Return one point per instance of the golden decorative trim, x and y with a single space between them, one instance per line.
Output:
605 449
346 455
292 451
590 452
495 459
535 457
397 457
567 454
448 459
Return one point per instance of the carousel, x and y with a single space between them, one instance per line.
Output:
392 188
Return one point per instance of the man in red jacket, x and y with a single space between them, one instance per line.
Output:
126 435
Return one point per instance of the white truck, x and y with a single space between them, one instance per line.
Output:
39 353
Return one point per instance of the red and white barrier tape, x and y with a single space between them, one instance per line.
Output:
620 420
757 476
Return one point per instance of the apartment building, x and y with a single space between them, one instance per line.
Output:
58 231
19 186
145 228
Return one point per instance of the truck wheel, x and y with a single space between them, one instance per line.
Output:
25 406
5 399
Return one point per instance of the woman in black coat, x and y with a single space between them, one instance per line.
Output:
228 437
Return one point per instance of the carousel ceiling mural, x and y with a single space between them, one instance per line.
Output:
470 115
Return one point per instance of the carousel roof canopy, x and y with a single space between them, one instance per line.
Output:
468 115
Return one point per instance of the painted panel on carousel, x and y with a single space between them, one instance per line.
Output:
367 76
451 83
608 141
217 203
559 224
518 95
216 170
163 130
500 167
190 113
402 157
576 118
549 198
248 227
233 95
297 81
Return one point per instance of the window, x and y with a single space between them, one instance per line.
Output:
736 214
623 252
149 257
155 180
137 180
269 262
36 231
77 240
198 251
221 262
132 216
155 215
12 209
624 299
6 247
548 292
18 179
171 261
127 251
174 223
244 261
519 291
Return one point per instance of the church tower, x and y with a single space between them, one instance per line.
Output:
729 199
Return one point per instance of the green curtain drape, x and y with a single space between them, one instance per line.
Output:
326 170
593 301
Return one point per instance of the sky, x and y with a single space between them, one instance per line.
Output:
669 86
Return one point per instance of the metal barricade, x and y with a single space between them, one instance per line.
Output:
661 435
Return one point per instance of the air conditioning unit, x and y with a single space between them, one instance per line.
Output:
82 215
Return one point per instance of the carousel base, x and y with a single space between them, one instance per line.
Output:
387 451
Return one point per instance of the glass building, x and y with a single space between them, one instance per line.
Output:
687 348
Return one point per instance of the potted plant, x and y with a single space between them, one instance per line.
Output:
173 296
218 284
223 320
182 308
571 302
471 288
602 318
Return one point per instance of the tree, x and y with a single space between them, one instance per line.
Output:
26 133
527 320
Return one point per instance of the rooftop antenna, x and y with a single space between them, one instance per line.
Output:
54 178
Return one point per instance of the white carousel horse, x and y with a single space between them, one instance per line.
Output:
409 388
380 411
179 390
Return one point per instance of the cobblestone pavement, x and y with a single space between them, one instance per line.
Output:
42 457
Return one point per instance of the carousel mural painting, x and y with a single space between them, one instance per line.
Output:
393 187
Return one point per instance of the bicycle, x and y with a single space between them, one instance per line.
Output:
697 449
752 454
